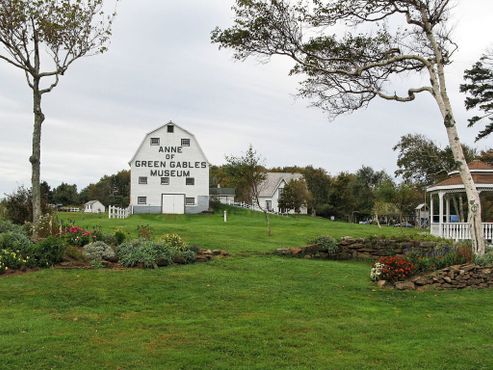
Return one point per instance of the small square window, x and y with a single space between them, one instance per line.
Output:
155 141
190 181
141 200
171 129
190 201
143 180
164 180
185 142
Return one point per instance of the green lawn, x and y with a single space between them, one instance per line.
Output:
245 231
250 311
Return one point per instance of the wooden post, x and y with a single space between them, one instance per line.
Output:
225 215
440 209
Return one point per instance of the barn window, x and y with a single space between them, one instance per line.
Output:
190 181
164 180
143 180
190 201
185 142
171 129
141 200
155 141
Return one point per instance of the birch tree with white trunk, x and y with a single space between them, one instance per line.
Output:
42 38
341 73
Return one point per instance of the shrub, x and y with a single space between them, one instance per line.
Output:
143 252
174 241
326 243
75 253
78 236
10 259
49 251
18 205
8 226
16 241
485 260
144 232
392 269
120 237
47 225
99 251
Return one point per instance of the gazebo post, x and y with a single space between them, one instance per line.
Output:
447 208
431 210
440 211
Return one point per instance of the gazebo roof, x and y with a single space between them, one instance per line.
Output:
482 174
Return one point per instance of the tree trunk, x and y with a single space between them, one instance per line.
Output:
35 158
438 82
474 202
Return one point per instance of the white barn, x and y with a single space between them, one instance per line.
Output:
94 206
271 189
169 173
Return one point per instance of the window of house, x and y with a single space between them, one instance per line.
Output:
171 129
155 141
280 191
190 201
268 205
141 200
164 180
143 180
185 142
190 181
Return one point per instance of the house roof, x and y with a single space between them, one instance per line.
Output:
481 172
91 202
159 128
273 180
222 191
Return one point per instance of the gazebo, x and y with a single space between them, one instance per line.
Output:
451 192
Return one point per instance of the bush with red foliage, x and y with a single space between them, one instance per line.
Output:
396 268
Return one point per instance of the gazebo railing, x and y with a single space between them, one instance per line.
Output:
460 230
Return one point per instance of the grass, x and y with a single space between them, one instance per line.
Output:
251 311
245 231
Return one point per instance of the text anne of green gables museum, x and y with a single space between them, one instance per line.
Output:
169 173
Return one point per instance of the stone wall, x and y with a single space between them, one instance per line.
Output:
359 248
453 277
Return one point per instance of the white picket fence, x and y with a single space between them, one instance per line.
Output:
460 230
117 212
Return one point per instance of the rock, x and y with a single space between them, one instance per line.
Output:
324 255
308 257
295 251
282 251
421 281
216 252
381 283
405 285
447 279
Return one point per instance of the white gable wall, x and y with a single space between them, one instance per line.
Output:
170 159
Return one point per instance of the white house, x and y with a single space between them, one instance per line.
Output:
94 206
271 189
223 195
169 173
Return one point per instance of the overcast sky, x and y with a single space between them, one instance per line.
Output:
161 67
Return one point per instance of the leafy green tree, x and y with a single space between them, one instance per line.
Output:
66 194
247 171
384 39
295 195
479 87
109 190
42 38
421 162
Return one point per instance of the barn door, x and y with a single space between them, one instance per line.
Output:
173 204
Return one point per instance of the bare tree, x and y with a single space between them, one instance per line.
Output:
43 38
383 39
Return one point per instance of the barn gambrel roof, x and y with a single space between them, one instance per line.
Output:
161 127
